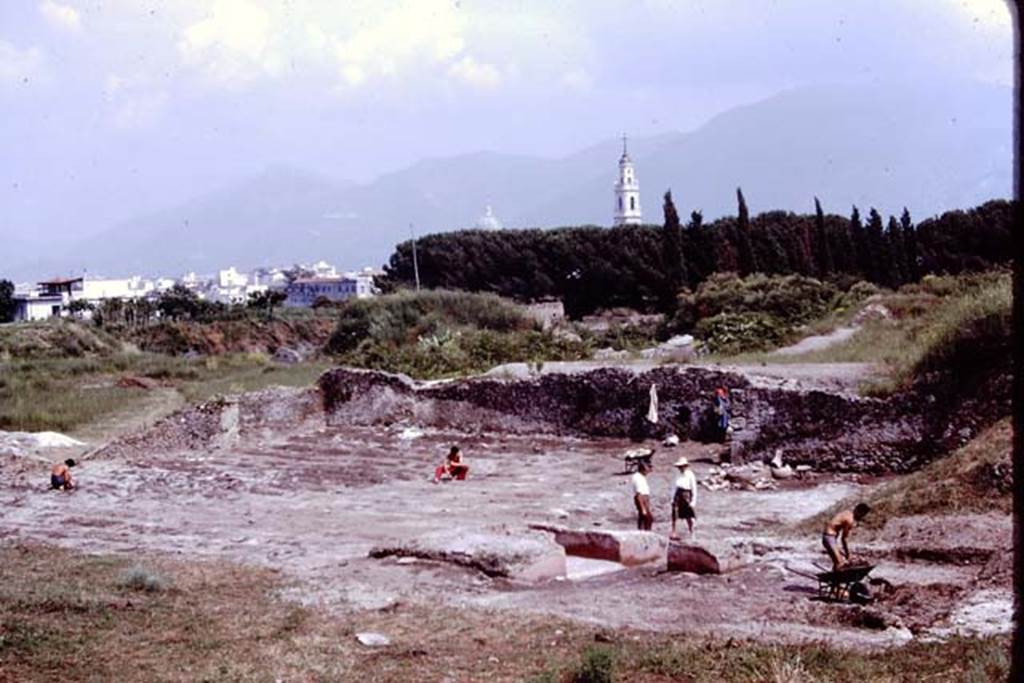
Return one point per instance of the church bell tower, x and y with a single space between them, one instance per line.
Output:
627 192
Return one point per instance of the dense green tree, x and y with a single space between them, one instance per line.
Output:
879 264
747 257
79 307
823 263
672 264
911 255
179 302
266 301
7 305
591 268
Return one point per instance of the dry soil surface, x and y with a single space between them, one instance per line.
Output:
314 501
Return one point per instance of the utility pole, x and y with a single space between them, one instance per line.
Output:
415 262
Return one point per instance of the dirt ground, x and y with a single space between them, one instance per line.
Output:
312 502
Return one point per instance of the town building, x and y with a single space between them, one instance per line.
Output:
306 291
627 192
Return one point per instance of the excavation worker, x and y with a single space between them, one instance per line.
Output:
722 410
60 476
684 496
453 466
839 527
642 497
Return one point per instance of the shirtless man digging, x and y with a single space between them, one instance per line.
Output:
839 528
60 476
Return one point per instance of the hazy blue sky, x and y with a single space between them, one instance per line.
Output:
116 107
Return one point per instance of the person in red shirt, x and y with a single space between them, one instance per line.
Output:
453 466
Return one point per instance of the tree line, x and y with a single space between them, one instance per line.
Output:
645 266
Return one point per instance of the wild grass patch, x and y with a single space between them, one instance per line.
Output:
977 478
225 622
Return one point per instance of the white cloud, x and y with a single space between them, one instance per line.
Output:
409 35
18 65
61 16
474 73
133 101
232 43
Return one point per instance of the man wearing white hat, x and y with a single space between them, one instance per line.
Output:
684 498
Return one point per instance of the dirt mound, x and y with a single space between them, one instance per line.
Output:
222 422
302 336
917 607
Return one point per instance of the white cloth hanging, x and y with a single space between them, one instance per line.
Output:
652 409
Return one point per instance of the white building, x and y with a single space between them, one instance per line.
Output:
95 290
307 291
488 221
627 192
231 278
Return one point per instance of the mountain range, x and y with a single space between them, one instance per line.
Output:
930 149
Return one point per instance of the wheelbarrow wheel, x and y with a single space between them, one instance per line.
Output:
860 594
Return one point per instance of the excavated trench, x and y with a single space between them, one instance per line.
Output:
828 430
332 485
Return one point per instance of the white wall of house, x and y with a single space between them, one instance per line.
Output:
305 292
29 308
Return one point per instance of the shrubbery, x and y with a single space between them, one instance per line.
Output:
440 333
732 314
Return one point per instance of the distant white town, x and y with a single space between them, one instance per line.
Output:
303 285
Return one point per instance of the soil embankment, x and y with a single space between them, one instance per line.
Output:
305 336
835 431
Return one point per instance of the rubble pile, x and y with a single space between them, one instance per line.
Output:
748 477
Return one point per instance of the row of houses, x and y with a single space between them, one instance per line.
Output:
303 285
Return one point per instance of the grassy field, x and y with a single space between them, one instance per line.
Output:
63 394
970 480
929 326
73 617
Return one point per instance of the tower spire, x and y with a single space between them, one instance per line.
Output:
623 144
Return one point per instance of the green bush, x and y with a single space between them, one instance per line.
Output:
597 665
406 316
734 314
729 333
440 333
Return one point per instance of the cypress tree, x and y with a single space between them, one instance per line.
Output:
673 268
910 247
878 267
897 252
823 262
861 250
747 258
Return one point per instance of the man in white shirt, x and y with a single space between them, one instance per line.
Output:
684 497
642 497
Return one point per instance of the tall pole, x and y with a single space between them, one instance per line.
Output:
415 261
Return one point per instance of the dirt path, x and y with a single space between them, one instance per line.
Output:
817 342
314 501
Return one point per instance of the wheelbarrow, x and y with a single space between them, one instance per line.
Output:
845 583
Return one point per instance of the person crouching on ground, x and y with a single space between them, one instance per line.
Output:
642 497
839 528
60 476
452 466
684 497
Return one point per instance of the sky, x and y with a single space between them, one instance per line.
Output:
113 108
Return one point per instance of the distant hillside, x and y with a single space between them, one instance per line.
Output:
873 146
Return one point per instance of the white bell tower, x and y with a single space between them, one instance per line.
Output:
627 192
